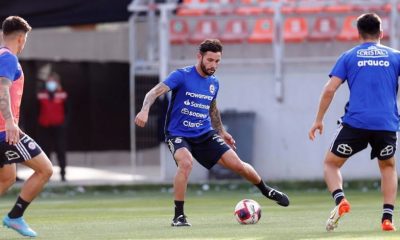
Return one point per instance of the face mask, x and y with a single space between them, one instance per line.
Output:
51 86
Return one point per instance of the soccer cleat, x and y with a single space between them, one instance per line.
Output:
336 214
387 225
180 221
19 225
280 198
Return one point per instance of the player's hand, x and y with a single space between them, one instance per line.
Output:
141 118
316 126
228 139
12 132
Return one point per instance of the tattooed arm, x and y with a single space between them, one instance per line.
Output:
217 124
12 130
149 99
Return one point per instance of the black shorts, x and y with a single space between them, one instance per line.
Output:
349 141
206 149
24 150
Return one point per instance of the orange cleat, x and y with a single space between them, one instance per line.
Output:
387 225
336 214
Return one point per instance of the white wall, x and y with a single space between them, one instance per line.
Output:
282 149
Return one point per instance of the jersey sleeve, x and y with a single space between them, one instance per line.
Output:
339 69
174 79
216 88
8 66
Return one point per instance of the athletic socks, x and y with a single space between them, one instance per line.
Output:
264 188
18 209
338 195
178 208
387 212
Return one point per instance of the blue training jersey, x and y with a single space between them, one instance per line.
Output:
372 72
188 110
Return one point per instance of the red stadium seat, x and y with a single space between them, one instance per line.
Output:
178 31
349 30
192 8
263 31
222 7
205 28
235 31
295 29
309 9
250 7
339 8
324 29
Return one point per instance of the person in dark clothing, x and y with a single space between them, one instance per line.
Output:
52 115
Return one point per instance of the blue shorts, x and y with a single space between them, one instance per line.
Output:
24 150
349 141
206 149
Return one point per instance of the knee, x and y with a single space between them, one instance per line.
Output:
387 164
239 167
45 173
329 163
185 165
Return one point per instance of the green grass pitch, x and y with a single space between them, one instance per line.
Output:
147 215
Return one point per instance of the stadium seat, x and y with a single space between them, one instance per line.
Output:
222 7
349 30
388 7
324 29
339 8
250 7
205 28
178 31
263 31
295 29
192 8
235 31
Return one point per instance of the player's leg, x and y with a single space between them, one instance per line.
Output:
42 168
26 151
179 148
334 181
347 142
383 144
389 190
7 177
232 161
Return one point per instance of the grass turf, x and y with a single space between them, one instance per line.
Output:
147 215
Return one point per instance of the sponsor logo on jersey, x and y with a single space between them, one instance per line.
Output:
196 105
372 52
200 96
212 89
193 114
372 63
192 124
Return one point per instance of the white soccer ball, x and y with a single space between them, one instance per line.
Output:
247 211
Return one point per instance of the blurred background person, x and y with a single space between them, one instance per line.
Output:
52 120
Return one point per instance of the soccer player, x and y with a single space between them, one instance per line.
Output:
371 117
16 146
194 128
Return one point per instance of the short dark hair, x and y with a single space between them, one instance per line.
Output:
369 25
14 24
212 45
